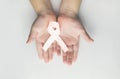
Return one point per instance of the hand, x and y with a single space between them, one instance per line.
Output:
71 30
39 33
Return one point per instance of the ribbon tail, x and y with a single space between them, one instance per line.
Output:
48 43
62 44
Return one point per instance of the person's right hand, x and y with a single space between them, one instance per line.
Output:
39 33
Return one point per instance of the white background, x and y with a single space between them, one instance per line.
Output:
99 60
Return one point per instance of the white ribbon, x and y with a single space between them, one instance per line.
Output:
54 31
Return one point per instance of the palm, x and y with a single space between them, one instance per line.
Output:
71 29
39 33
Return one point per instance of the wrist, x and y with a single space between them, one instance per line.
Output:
45 12
68 13
48 14
42 7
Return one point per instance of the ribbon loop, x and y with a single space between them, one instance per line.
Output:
54 31
53 28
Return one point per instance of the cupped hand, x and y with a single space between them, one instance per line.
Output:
39 33
71 30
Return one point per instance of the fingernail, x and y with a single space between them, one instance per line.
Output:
91 41
64 62
27 42
69 63
46 61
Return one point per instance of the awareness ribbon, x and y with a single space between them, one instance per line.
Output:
54 31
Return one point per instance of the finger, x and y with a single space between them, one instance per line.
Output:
58 50
70 55
75 48
46 56
39 49
51 52
64 57
31 37
86 36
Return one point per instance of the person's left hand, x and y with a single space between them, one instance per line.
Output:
71 30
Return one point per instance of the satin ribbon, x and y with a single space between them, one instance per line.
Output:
54 31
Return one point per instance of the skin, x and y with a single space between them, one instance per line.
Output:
71 29
38 31
71 37
70 26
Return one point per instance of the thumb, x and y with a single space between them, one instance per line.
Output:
31 37
86 36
